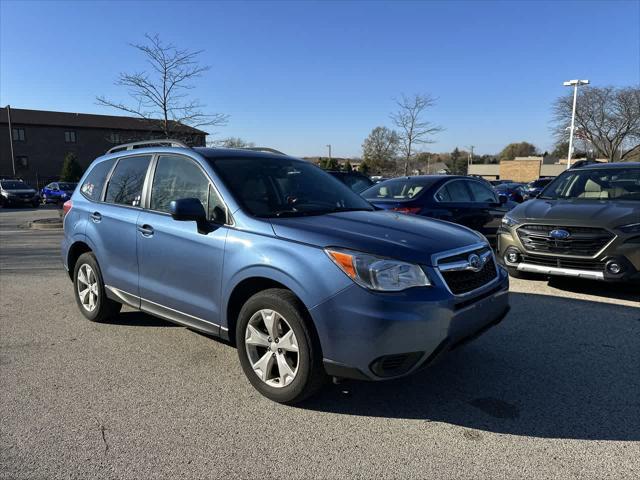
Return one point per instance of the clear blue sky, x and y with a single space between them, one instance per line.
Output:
299 75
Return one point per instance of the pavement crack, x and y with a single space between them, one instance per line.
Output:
102 430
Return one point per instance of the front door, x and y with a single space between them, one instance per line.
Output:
180 267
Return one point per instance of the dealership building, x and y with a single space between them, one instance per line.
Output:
35 145
521 169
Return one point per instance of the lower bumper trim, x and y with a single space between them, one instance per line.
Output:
567 272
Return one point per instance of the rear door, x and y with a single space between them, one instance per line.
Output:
180 266
488 211
112 226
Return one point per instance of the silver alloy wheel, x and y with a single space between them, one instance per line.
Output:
87 287
272 348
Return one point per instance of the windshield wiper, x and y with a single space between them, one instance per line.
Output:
349 209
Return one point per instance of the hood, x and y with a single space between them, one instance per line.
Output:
404 237
605 213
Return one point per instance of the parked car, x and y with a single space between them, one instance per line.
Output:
459 199
354 180
533 189
378 178
303 275
57 192
586 223
17 193
495 183
512 191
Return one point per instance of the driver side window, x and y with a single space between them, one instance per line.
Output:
179 177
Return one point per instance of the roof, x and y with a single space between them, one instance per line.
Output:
21 116
610 165
226 153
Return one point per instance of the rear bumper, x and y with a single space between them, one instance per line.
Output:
374 336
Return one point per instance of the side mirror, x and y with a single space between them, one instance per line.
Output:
188 209
502 199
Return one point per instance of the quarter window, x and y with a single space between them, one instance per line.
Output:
178 177
94 183
481 193
454 191
125 184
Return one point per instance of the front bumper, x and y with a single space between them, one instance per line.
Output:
376 336
624 251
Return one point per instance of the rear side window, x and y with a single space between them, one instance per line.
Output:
454 191
94 183
481 193
125 184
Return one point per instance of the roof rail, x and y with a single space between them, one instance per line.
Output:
265 149
167 142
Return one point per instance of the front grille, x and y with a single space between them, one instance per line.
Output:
465 281
582 241
577 264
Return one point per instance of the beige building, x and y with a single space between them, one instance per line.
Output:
521 169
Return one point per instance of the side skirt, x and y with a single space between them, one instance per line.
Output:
164 312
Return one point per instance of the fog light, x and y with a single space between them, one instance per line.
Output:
512 256
614 268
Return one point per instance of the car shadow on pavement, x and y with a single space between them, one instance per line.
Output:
620 291
554 368
139 319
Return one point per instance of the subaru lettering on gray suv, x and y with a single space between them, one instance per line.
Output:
304 276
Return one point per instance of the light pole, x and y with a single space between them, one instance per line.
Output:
13 160
329 147
575 84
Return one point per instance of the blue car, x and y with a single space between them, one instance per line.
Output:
57 192
459 199
306 278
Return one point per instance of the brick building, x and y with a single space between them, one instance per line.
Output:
41 139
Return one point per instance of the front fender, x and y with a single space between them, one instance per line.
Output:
305 270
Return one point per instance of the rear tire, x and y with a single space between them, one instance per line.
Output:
89 290
269 320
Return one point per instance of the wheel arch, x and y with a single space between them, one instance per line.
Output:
248 287
75 250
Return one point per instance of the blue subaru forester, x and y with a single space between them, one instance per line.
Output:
304 276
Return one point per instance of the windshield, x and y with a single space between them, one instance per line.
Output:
285 187
67 185
596 184
539 183
397 189
14 185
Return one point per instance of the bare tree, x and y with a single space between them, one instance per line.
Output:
162 93
414 130
380 148
608 118
234 142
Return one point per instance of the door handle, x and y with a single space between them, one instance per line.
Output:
96 217
146 230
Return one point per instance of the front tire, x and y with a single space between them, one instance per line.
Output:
279 352
90 292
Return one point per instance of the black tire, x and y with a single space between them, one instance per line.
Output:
310 376
105 308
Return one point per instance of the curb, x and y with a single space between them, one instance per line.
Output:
46 224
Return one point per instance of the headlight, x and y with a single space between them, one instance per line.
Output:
6 194
377 273
507 221
630 228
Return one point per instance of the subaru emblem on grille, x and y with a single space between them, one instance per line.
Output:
475 263
558 234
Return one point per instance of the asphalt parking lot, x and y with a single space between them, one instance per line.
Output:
554 391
